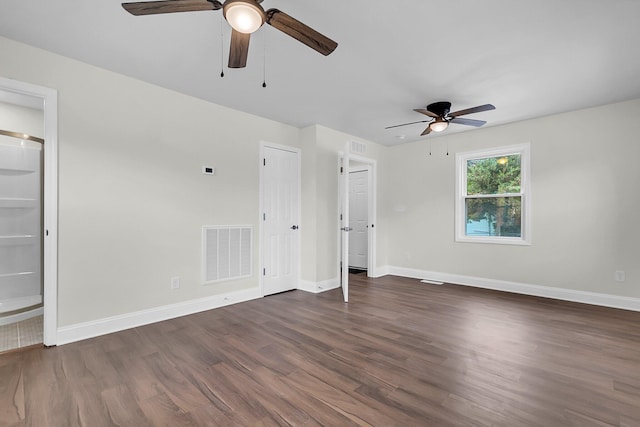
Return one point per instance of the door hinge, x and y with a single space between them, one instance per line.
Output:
264 216
340 217
341 169
264 162
264 271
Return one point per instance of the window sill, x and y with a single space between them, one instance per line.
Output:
495 240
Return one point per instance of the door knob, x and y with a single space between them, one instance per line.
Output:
294 227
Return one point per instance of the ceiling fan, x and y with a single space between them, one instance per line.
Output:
441 117
245 17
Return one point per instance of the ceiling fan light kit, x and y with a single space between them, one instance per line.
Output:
245 16
438 125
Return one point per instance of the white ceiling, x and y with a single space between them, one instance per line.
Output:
529 59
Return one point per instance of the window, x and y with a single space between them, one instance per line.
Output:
493 196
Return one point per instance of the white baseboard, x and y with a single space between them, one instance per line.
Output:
381 271
94 328
605 300
317 287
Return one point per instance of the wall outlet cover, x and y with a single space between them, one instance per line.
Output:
175 282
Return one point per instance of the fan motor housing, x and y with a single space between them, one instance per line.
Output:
441 108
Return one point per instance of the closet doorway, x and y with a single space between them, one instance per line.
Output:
21 285
359 218
28 214
363 224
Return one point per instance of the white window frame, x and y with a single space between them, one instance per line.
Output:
524 150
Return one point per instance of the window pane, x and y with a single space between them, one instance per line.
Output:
493 216
494 175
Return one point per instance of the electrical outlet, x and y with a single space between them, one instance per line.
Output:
175 282
619 276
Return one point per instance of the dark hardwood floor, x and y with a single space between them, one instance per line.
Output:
401 353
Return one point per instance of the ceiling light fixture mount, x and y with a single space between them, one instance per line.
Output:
244 16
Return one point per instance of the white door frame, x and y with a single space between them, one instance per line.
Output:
262 248
50 193
373 182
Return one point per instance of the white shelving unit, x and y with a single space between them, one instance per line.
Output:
20 224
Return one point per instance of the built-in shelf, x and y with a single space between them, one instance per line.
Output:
26 239
16 203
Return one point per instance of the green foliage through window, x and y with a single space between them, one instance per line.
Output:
493 203
494 175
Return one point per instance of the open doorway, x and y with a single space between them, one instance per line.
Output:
21 285
30 229
358 218
363 222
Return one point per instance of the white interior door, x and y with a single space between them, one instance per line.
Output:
281 219
344 224
358 219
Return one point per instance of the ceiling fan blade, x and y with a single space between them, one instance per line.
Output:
426 112
169 6
477 109
427 131
301 32
407 124
239 49
468 122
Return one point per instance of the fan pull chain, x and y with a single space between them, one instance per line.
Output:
264 61
429 147
447 148
221 48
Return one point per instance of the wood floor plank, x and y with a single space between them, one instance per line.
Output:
12 399
399 353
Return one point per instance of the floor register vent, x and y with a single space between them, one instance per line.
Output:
226 252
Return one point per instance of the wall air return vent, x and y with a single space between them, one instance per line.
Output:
226 252
358 147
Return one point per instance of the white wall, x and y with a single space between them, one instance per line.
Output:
585 203
14 118
132 197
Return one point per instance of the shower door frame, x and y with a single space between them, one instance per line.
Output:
50 203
